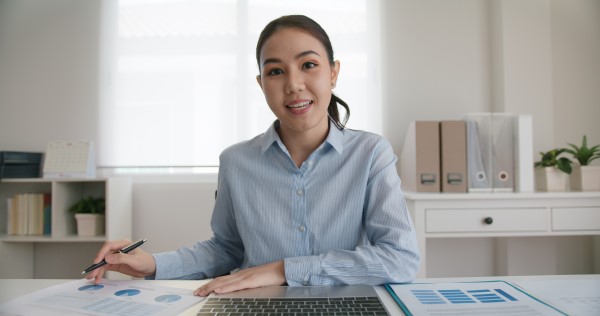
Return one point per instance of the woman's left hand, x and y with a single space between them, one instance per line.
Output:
265 275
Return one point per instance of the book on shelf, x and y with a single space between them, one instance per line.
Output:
29 214
47 223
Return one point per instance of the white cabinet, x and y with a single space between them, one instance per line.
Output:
62 254
486 220
509 233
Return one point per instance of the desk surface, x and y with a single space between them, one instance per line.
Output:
553 288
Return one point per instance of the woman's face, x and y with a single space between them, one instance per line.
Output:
296 79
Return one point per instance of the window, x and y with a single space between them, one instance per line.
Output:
184 82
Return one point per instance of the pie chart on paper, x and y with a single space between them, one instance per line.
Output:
128 292
169 298
91 287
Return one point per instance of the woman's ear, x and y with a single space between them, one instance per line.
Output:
335 71
259 81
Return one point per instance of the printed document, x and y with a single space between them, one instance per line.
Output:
582 298
111 297
468 298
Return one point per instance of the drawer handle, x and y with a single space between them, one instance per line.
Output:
488 220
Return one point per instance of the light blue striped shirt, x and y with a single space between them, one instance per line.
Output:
340 218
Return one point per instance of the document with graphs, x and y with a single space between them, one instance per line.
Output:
468 298
111 297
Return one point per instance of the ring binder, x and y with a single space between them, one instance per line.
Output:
420 157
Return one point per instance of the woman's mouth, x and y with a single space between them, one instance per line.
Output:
299 105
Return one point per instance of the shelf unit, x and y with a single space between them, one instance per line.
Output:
510 233
62 254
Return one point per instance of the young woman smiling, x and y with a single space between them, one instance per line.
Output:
308 202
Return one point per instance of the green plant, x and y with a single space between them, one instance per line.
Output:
89 205
582 153
551 159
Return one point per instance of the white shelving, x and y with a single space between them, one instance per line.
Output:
484 234
62 254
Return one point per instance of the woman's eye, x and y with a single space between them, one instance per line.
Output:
308 65
274 72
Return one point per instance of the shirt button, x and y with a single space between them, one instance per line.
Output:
310 163
300 192
301 228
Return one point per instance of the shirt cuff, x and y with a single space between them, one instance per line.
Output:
302 271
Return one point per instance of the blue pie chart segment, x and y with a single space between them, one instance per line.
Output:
91 287
169 298
128 292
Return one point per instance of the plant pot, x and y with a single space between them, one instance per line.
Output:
585 178
551 179
90 224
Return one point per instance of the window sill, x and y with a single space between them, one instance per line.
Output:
163 174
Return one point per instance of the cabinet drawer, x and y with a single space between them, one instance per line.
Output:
576 218
498 220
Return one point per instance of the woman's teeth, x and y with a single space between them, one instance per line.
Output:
299 105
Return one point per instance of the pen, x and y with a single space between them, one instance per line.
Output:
124 250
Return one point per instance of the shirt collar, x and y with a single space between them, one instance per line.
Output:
335 138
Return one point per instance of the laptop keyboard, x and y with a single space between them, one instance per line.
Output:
292 306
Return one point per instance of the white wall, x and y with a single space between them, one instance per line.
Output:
436 59
48 72
522 64
172 214
576 67
441 59
446 58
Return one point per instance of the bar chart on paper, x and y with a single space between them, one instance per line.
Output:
468 298
458 296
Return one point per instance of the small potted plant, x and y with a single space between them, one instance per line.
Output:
89 213
584 176
552 172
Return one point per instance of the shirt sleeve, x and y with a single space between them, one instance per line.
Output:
392 255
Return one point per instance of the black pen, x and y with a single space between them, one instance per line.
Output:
124 250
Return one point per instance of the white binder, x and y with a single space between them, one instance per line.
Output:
499 152
479 152
503 152
494 152
524 174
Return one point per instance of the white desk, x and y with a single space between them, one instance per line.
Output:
12 288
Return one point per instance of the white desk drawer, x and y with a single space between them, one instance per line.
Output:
494 220
576 218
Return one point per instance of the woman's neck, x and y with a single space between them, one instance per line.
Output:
301 144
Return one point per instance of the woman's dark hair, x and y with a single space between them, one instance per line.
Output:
313 28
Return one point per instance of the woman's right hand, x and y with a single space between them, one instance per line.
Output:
136 263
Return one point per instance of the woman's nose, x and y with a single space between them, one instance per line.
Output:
295 82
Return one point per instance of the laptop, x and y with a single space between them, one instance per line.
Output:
307 300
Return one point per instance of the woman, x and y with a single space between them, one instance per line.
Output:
308 202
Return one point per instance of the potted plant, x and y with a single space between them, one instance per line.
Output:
89 213
552 172
584 176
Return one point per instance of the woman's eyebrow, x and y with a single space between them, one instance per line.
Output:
278 60
306 53
271 61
